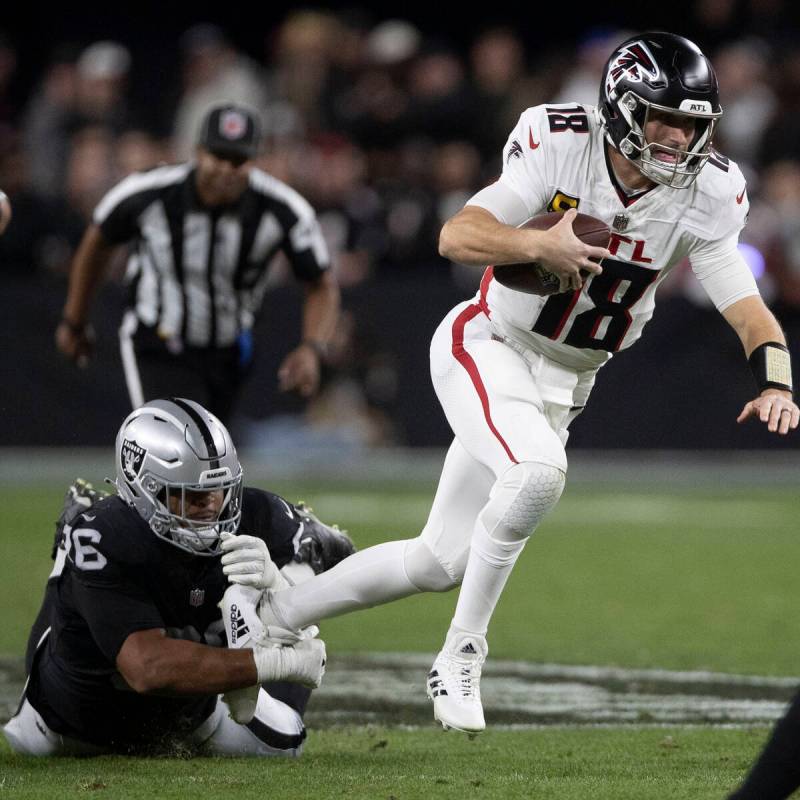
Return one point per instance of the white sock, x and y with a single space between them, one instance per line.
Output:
489 565
367 578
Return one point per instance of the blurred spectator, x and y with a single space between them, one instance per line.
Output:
301 68
214 72
102 86
747 99
349 211
90 170
412 224
137 151
440 101
501 87
8 67
581 82
774 228
781 139
47 122
374 111
21 244
713 22
456 179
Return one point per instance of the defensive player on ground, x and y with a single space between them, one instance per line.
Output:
128 652
512 370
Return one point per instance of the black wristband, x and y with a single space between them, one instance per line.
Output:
320 348
772 366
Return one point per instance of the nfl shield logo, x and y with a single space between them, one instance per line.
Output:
196 597
620 222
232 125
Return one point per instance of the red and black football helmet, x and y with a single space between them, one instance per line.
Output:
661 72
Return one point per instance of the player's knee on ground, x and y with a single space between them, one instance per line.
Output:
520 499
424 570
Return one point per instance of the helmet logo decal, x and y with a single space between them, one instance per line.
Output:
131 458
634 62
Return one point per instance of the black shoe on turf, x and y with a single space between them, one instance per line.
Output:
321 546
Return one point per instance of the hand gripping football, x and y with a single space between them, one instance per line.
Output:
533 278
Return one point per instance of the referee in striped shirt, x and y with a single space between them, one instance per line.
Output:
202 235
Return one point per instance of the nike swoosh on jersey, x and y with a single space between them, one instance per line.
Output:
533 144
740 197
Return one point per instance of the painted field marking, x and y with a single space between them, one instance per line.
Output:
388 689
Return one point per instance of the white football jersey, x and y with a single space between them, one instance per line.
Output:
555 159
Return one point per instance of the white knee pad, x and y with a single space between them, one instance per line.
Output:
423 568
522 496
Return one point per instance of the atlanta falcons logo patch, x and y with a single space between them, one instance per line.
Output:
515 151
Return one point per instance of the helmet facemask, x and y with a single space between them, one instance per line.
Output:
685 168
178 468
179 517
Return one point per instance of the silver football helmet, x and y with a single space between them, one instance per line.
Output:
177 466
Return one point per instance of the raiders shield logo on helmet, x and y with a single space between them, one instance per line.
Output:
131 456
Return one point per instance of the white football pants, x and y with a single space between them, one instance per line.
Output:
509 409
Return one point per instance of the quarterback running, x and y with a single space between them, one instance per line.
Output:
512 370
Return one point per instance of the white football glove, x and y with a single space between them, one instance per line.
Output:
279 654
302 662
247 561
243 628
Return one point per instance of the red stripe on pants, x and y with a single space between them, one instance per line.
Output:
466 361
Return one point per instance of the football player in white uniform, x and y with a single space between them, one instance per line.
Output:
512 370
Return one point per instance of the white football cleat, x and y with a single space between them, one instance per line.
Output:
454 683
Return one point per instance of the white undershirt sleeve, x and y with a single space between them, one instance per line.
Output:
723 272
503 203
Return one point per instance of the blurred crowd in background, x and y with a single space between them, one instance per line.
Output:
386 130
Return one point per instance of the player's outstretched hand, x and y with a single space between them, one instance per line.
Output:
300 371
566 255
776 409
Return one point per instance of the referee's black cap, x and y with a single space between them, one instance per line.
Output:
230 131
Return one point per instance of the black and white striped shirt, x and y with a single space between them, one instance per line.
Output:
199 275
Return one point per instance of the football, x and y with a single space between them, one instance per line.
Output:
533 278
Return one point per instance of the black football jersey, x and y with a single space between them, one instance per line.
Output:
118 577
